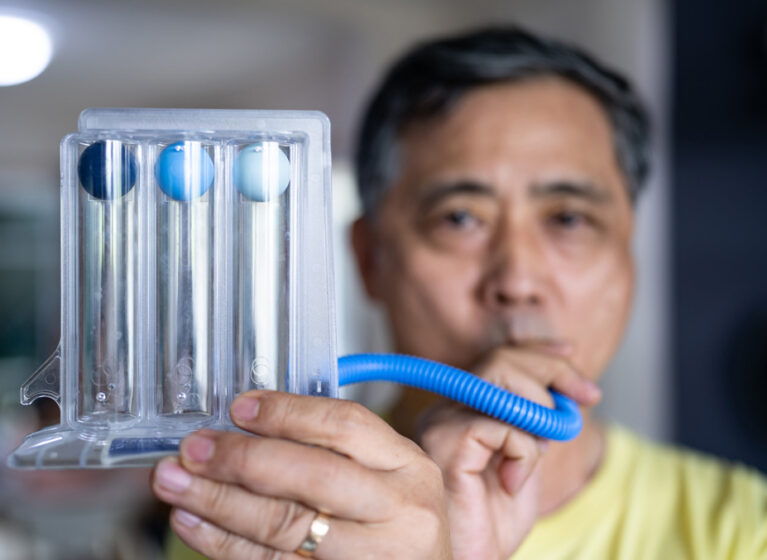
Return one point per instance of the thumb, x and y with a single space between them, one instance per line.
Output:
514 471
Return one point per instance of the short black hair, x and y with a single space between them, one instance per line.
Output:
429 79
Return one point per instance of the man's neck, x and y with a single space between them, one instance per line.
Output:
567 467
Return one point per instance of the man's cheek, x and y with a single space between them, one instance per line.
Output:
604 327
447 298
597 306
435 272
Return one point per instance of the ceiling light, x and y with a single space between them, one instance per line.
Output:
25 50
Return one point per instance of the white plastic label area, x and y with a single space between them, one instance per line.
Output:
195 265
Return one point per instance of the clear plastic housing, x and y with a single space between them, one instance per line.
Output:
263 257
107 280
196 264
184 280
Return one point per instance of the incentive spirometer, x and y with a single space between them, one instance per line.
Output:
195 265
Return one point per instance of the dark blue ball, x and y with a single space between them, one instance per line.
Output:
107 170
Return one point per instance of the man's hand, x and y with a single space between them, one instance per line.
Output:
236 496
491 469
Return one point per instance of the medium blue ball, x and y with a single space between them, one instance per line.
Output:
107 171
262 171
184 170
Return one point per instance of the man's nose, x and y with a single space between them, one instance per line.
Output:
515 273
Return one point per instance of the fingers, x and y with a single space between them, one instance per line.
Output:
344 541
216 543
276 523
504 366
464 443
223 520
319 478
240 496
343 426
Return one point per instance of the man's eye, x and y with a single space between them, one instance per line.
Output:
461 219
568 220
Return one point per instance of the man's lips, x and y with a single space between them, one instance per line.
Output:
559 348
528 330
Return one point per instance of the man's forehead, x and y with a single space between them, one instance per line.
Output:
557 96
542 131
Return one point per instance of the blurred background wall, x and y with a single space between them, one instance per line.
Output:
701 66
323 55
719 241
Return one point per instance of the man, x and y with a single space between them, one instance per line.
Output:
498 173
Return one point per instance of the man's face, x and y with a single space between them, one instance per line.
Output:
509 224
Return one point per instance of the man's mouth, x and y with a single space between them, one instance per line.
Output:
529 331
546 345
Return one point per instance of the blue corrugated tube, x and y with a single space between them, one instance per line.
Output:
560 423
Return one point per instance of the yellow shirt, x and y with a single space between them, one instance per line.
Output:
176 550
649 501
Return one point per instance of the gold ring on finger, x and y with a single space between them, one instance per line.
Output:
317 531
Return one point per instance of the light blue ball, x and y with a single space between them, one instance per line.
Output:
184 170
262 171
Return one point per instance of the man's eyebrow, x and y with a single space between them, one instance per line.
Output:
585 190
437 192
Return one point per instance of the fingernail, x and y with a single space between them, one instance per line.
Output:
594 390
245 408
172 477
187 519
197 448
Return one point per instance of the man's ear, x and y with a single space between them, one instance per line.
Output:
364 245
